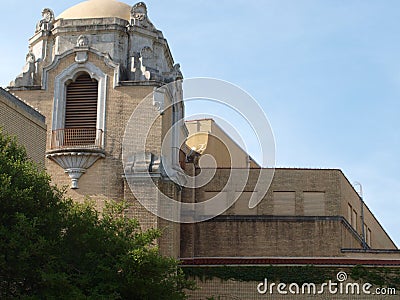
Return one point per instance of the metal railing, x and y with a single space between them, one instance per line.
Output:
76 138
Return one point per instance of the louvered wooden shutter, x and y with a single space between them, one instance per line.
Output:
81 111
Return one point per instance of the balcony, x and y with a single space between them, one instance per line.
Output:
77 138
75 150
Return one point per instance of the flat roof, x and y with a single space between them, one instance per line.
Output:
23 105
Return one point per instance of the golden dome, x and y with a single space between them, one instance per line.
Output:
97 9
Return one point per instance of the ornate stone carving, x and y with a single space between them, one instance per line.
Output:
75 163
176 72
30 58
81 46
27 77
103 56
83 41
139 16
46 23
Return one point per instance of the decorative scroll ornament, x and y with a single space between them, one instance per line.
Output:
47 21
27 77
174 75
139 16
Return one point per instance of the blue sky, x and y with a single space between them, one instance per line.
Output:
326 73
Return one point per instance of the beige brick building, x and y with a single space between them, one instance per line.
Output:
27 124
104 78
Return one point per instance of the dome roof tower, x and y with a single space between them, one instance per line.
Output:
97 9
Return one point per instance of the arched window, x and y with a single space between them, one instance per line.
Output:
79 108
78 120
81 111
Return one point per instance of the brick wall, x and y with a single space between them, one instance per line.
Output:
296 232
28 125
377 238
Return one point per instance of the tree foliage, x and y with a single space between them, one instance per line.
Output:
53 248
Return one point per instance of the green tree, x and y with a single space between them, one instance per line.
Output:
31 213
53 248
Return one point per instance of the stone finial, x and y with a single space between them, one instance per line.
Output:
139 11
46 23
139 16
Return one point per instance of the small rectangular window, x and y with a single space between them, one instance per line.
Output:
350 214
217 206
365 233
354 219
242 203
314 203
369 237
284 203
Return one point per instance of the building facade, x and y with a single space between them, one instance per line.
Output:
19 119
100 72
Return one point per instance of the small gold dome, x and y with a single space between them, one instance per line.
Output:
97 9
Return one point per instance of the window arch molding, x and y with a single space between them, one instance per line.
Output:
60 91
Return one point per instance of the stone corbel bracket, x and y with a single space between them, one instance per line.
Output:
143 163
75 163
